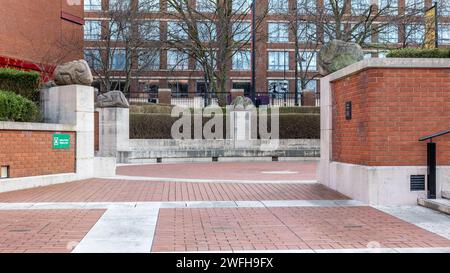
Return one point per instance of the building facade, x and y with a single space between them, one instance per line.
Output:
275 42
39 34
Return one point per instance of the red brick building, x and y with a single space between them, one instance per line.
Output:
275 64
39 34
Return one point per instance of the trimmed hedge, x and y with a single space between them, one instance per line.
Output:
14 107
158 126
20 82
419 53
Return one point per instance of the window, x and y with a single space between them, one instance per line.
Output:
330 30
149 5
444 34
149 30
415 34
119 4
329 8
92 5
148 59
307 32
92 30
242 31
177 30
242 60
210 59
93 58
360 7
361 33
278 60
179 89
177 60
179 4
206 5
278 32
278 6
444 8
388 7
119 31
207 31
307 61
243 6
278 88
388 34
310 84
306 7
414 6
367 55
118 59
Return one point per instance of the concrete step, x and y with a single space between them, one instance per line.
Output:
446 194
441 204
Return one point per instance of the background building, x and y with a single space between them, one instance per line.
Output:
388 24
39 34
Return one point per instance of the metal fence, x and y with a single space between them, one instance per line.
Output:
142 97
199 100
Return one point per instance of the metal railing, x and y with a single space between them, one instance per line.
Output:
142 97
191 99
431 162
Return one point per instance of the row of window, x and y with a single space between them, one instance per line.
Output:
278 32
178 60
274 6
276 88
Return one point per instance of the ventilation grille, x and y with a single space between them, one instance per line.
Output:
417 182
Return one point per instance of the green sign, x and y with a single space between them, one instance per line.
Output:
61 141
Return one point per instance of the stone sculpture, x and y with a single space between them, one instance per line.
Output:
113 99
338 54
76 72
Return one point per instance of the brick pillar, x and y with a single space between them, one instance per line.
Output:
308 98
165 96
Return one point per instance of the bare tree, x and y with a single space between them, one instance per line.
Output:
128 44
211 33
314 25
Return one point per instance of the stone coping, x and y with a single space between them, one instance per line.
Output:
28 126
388 63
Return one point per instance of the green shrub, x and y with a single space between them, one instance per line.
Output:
300 110
14 107
158 126
419 53
167 109
23 83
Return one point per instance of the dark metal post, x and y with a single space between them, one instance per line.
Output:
431 161
296 56
253 95
436 24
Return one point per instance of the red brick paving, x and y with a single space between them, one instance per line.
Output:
44 230
102 190
306 170
226 229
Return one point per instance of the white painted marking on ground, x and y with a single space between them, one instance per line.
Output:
425 218
121 230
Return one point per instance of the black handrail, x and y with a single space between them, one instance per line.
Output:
434 135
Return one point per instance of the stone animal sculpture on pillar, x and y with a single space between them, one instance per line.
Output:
73 73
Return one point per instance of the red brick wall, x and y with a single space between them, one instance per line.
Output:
33 30
392 109
30 153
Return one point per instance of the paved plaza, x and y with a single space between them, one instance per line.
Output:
205 207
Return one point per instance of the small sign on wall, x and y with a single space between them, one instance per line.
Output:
348 110
61 141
